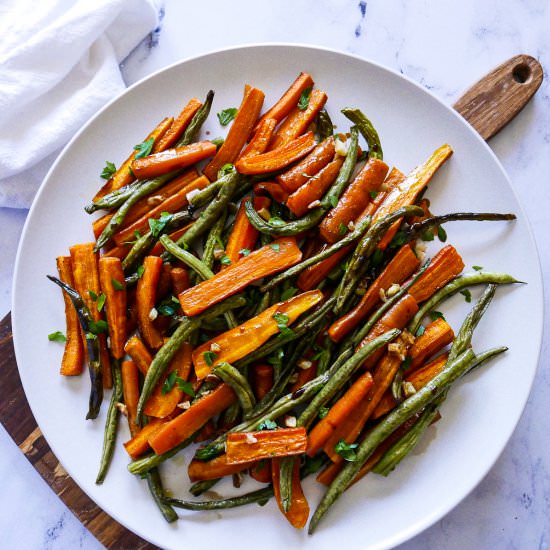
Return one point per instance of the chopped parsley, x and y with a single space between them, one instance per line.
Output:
342 229
57 336
282 323
218 142
244 252
323 411
100 301
209 357
93 295
116 284
467 295
436 315
421 330
158 226
477 267
108 171
441 234
267 425
225 260
225 169
373 194
185 387
140 271
143 149
227 115
333 201
428 236
98 327
346 450
169 382
275 246
303 102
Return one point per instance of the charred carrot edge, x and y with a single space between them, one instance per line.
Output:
300 174
315 187
262 380
298 512
239 132
444 267
111 274
158 249
265 261
139 353
172 204
214 469
172 159
261 471
289 99
260 141
186 424
355 199
304 376
73 355
297 121
180 280
236 343
130 392
178 126
84 262
435 337
402 266
271 188
243 235
279 158
123 175
145 301
246 447
139 444
344 407
313 275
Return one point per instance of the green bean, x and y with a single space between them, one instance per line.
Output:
239 384
360 228
213 239
456 285
192 131
111 423
201 487
155 487
286 469
95 366
114 199
387 426
205 196
260 496
367 131
338 378
325 128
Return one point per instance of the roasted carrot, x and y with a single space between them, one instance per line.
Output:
313 275
262 380
303 199
243 236
206 432
298 512
239 132
279 158
214 469
180 280
139 444
261 471
236 343
172 159
246 447
435 337
355 199
304 376
139 353
123 176
119 252
186 424
268 260
73 355
145 301
444 267
402 266
260 141
298 120
113 285
178 126
130 392
343 408
158 249
272 189
289 99
294 178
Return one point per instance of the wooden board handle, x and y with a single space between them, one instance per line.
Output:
498 97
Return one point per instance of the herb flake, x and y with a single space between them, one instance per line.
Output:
109 170
143 149
227 115
57 336
467 295
209 357
346 450
303 102
158 226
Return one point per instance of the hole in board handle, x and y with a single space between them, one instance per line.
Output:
521 73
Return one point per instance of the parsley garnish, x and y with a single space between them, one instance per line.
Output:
436 315
169 382
342 229
100 301
209 357
333 201
225 260
276 358
467 295
166 309
218 142
428 236
98 327
275 246
144 148
323 411
108 171
421 330
117 285
282 323
140 271
288 293
185 387
244 252
267 425
346 450
57 336
225 169
227 115
441 234
158 226
303 102
373 194
477 268
93 295
399 240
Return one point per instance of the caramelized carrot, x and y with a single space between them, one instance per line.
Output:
402 266
130 392
261 471
236 343
260 141
262 380
239 132
139 444
436 336
139 353
304 376
297 121
113 285
206 432
355 199
145 300
73 355
279 158
313 275
180 280
214 469
172 159
186 424
298 512
268 260
178 126
271 188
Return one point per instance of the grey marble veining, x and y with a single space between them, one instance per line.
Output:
445 46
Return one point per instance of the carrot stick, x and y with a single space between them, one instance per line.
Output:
402 266
111 277
178 126
236 343
261 471
246 447
289 99
435 337
355 199
343 408
123 176
206 432
298 512
297 121
186 424
313 275
130 392
260 141
158 249
243 236
271 188
294 178
304 376
268 260
73 355
180 280
262 380
444 267
239 132
139 444
86 283
145 300
139 353
214 469
172 159
303 198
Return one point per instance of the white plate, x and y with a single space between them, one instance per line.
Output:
478 417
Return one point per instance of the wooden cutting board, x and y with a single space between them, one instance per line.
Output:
488 106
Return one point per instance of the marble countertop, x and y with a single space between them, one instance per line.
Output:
445 46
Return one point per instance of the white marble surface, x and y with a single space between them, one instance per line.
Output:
445 46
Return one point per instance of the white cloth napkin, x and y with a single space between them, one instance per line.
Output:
59 63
